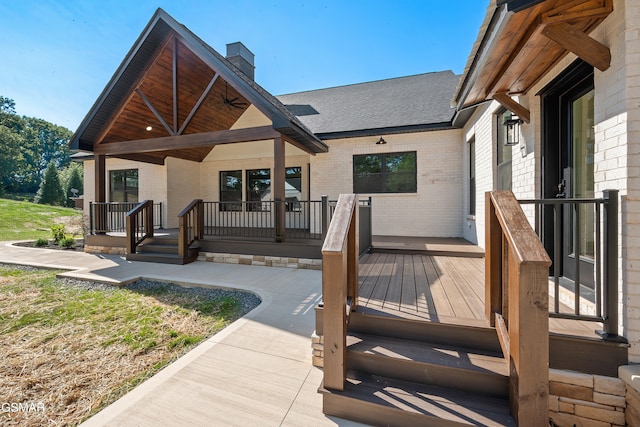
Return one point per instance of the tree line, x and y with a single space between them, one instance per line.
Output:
35 160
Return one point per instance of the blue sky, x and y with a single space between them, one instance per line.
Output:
57 56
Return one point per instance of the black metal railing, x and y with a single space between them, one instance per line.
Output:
111 217
577 233
303 219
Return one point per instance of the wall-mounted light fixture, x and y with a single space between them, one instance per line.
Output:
381 141
512 129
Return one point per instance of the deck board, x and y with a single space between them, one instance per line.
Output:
436 288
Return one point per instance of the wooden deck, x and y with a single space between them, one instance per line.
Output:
435 288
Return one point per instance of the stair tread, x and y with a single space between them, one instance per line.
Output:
437 402
428 352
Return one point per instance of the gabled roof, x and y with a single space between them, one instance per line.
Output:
405 104
122 103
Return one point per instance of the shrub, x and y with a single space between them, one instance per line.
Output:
58 233
41 242
67 242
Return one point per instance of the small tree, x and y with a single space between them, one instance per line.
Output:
50 191
74 184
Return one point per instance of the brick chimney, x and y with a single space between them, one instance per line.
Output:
241 57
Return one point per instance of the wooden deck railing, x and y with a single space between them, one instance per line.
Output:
139 225
339 287
516 301
190 226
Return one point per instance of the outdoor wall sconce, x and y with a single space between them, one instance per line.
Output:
381 141
512 127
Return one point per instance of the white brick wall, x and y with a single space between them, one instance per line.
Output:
435 210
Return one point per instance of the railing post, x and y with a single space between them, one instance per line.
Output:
493 262
610 270
148 218
352 257
324 221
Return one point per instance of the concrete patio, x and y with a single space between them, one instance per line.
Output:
257 371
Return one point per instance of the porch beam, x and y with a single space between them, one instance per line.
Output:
278 187
580 43
144 158
196 140
511 104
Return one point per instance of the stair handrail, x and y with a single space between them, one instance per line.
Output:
190 226
339 287
139 225
516 303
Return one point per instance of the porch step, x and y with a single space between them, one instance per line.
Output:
480 338
164 251
442 365
382 401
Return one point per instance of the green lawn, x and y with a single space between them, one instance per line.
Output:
30 221
73 348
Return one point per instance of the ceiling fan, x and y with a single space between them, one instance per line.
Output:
233 102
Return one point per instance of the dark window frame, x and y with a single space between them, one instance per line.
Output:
253 192
362 181
126 190
230 198
472 176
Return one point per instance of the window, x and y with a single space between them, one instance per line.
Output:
385 173
504 152
258 189
123 185
231 190
293 188
472 177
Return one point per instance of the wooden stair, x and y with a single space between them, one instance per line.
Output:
163 250
402 372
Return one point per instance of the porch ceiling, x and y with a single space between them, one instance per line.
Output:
518 48
178 94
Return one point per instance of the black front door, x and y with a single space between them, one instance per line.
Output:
568 166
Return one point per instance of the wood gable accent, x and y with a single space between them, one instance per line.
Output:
519 48
171 87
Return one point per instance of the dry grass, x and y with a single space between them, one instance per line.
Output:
72 351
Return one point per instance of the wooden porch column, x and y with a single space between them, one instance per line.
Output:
278 187
100 178
100 196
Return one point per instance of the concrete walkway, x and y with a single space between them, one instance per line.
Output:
256 372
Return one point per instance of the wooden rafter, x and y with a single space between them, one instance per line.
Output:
198 104
195 140
154 111
174 66
580 43
510 104
578 10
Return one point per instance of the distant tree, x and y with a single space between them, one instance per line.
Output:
34 144
71 178
50 191
7 105
9 141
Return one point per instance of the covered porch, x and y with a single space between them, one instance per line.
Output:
203 140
